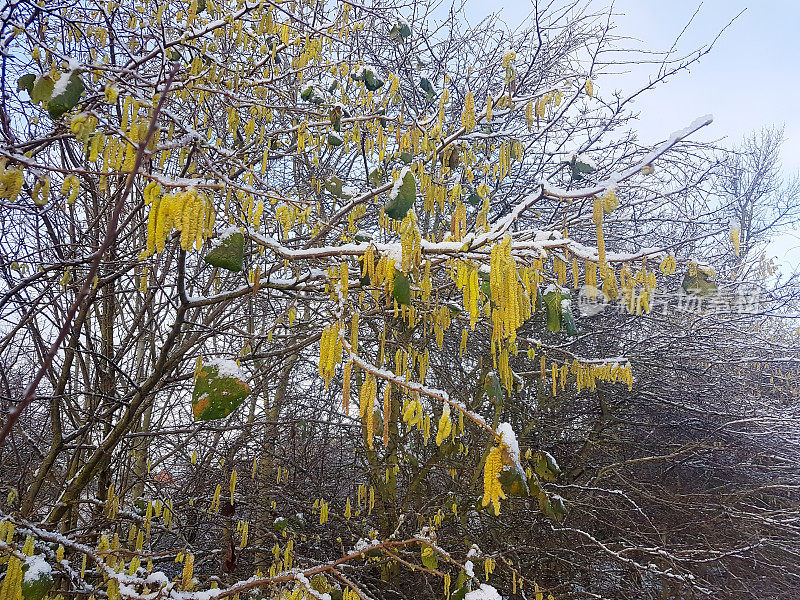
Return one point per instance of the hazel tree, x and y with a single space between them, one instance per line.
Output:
218 214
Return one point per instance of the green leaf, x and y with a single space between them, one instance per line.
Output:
216 395
42 89
334 139
558 507
280 524
400 31
335 187
313 93
38 588
372 81
403 194
579 169
201 6
460 592
545 506
320 584
429 557
26 83
701 284
299 522
486 288
568 320
401 288
535 485
375 177
552 506
545 466
492 387
426 86
539 303
367 75
552 301
406 157
229 254
69 98
513 480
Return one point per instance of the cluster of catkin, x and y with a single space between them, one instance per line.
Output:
467 282
190 212
330 352
492 488
11 180
410 242
505 287
468 120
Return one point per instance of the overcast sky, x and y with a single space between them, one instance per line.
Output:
750 79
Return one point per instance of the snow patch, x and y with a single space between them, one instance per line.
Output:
38 568
362 545
469 569
553 287
509 438
158 578
226 367
485 592
60 86
224 235
398 182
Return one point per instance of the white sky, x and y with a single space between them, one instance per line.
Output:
750 79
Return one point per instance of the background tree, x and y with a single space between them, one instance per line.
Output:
370 227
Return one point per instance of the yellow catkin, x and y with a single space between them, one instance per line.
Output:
346 386
601 248
576 273
387 412
735 240
367 403
505 288
445 426
96 145
468 115
610 201
323 512
330 352
668 265
541 107
190 212
245 531
410 243
188 571
529 112
610 287
492 488
11 180
215 500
